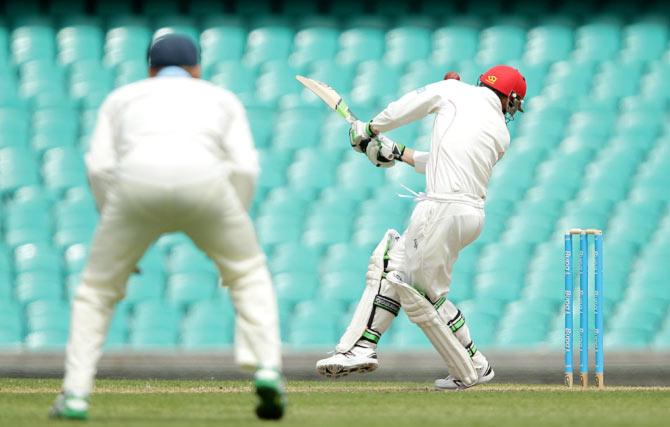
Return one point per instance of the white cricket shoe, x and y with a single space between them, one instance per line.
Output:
358 359
486 374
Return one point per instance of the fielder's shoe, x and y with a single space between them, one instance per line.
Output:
69 406
358 359
270 389
486 374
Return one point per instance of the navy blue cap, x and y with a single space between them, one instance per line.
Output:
173 49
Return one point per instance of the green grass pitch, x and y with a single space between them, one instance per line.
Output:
24 402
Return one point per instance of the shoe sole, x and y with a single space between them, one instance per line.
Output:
271 406
483 380
338 371
68 415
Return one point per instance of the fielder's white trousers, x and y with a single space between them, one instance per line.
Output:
136 212
429 247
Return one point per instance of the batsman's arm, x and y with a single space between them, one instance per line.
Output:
408 108
416 159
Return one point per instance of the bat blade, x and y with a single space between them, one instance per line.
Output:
329 96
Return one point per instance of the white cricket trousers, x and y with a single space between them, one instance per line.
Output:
429 247
136 212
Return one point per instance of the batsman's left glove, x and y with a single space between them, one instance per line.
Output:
360 135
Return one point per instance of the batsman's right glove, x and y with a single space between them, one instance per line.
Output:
383 151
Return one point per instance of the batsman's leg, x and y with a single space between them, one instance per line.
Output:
457 324
356 351
439 232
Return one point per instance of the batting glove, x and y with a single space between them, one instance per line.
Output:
383 152
360 135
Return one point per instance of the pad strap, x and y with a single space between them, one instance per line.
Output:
371 335
471 348
387 304
457 322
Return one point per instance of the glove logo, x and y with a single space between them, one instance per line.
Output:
491 78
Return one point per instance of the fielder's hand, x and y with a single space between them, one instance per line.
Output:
383 152
360 135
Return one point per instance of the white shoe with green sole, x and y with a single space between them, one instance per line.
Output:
69 406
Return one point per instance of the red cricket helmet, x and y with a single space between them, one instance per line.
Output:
507 81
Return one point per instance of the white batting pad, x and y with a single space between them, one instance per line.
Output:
421 311
373 285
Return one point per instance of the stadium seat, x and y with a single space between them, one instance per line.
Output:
284 201
154 324
375 83
360 44
408 336
325 231
314 323
272 42
234 76
314 44
294 287
336 74
644 40
63 168
11 319
126 40
79 42
405 44
47 315
117 335
25 224
455 43
37 258
148 339
223 42
310 176
144 286
187 288
294 257
18 168
274 229
501 43
33 42
597 41
50 340
37 285
343 287
358 172
549 43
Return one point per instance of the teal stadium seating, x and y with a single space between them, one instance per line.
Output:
592 150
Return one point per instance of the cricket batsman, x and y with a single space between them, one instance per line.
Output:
173 153
413 270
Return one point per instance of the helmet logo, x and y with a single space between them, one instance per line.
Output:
491 78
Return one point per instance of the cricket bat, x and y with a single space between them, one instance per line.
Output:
329 96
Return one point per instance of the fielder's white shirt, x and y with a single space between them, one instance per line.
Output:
172 127
469 135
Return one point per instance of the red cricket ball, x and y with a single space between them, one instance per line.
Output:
452 75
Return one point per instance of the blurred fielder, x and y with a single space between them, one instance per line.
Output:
173 153
413 270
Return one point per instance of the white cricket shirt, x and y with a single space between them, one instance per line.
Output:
172 128
469 135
